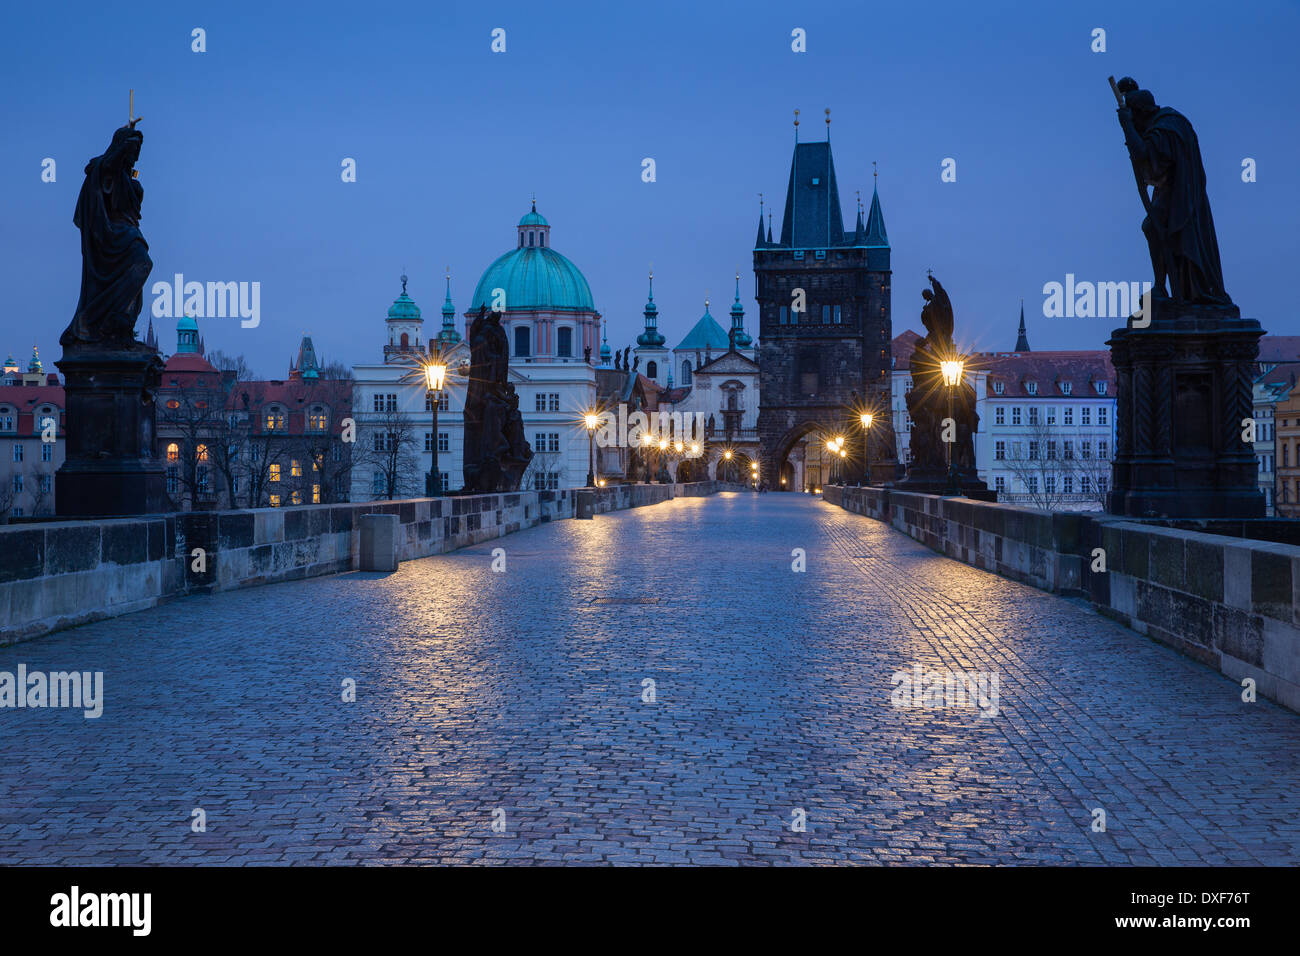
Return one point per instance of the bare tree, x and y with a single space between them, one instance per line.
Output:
389 451
42 494
196 413
231 363
1037 461
542 464
337 370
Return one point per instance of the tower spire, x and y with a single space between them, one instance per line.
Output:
1022 340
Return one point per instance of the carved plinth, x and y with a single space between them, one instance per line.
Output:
1184 394
111 468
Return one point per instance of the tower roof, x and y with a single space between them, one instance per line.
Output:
876 235
404 308
813 219
1022 341
705 334
307 367
651 337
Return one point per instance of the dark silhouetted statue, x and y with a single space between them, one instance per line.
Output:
496 453
111 379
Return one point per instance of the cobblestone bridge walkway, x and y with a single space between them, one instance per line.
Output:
480 692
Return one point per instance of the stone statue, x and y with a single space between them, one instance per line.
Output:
586 354
110 379
636 360
617 356
1179 228
494 438
625 355
115 259
927 404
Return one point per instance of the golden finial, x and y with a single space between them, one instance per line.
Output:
874 172
796 118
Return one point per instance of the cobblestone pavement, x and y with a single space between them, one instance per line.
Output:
523 692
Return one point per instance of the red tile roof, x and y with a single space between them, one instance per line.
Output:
1049 370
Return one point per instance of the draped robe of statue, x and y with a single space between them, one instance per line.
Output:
115 259
495 452
1179 226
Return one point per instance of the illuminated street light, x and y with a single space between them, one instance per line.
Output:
591 420
866 418
952 375
435 376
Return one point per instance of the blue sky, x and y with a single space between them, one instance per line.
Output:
243 146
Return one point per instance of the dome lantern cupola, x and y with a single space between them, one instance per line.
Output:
448 336
741 338
405 327
534 230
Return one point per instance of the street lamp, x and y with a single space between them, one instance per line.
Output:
866 418
727 455
753 473
952 373
435 376
591 420
663 468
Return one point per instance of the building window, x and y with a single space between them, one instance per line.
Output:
1085 449
1101 390
47 451
295 468
999 484
540 402
1051 415
336 453
6 421
173 479
1068 450
652 369
826 315
1015 415
1066 389
998 388
836 317
1049 483
201 453
274 419
202 475
1101 415
1033 414
785 315
564 342
1102 449
296 498
686 372
18 451
553 402
1031 388
1051 451
428 441
1000 451
1032 485
274 473
522 341
1085 415
317 420
999 415
1069 415
444 441
18 483
315 494
377 483
1101 486
1033 451
1067 484
274 500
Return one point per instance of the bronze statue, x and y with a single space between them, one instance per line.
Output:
1179 227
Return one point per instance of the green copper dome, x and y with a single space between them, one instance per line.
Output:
533 218
534 278
403 306
706 334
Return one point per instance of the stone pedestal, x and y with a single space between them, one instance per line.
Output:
111 468
1184 390
934 481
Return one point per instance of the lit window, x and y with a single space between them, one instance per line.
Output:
201 453
295 468
315 494
274 473
317 420
296 498
274 419
173 452
275 501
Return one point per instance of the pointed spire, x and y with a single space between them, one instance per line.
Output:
736 335
448 336
860 230
1022 341
876 235
769 227
759 241
605 352
651 337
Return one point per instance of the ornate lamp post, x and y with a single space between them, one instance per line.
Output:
591 420
728 467
866 418
952 373
663 468
435 376
753 473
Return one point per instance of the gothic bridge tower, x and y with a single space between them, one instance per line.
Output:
823 364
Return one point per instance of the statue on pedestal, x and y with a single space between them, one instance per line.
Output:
1185 362
496 453
111 378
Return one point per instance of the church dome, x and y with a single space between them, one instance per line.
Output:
404 306
534 276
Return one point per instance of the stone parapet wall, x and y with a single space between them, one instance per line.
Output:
1229 602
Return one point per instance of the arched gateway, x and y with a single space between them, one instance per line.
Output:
824 323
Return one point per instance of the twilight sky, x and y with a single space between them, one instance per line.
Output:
243 145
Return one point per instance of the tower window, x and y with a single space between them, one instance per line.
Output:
686 371
785 315
564 342
837 317
530 238
826 315
652 369
521 340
